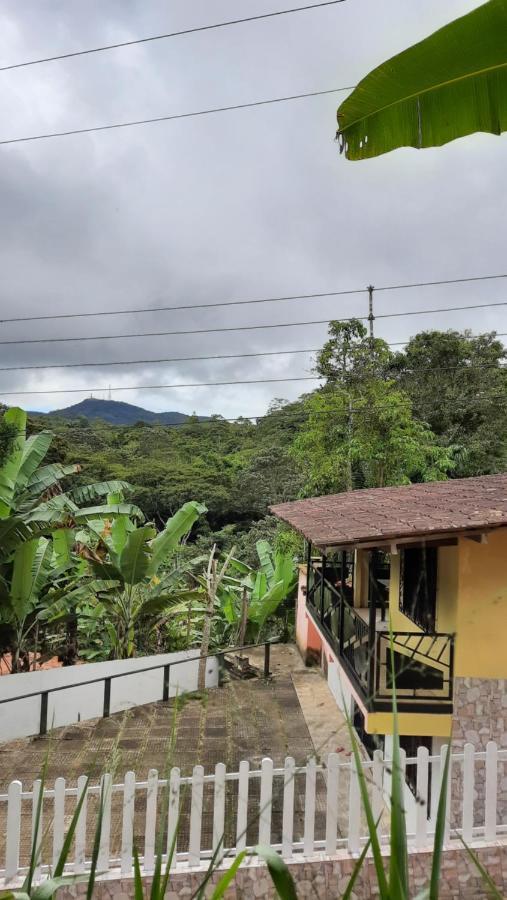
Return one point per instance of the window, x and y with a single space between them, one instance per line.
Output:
418 585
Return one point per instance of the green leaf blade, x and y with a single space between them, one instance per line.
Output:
450 85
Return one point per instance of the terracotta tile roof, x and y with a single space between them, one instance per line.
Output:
399 512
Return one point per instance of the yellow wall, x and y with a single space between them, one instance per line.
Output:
481 616
422 724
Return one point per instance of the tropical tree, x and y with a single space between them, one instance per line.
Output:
451 84
467 373
126 560
33 507
360 429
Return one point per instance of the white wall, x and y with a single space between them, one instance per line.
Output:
21 717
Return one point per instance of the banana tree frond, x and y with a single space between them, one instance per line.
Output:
176 528
265 555
10 469
53 511
46 477
451 84
63 541
136 556
89 492
34 451
109 509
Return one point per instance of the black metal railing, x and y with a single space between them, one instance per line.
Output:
108 679
423 662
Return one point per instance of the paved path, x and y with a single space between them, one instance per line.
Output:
292 714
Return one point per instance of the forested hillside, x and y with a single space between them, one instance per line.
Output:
380 418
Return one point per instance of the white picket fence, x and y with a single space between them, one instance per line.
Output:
297 810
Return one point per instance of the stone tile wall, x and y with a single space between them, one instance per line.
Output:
326 879
480 715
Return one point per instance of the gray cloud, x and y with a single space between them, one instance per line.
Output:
246 204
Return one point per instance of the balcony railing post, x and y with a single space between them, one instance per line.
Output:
267 651
165 688
107 697
43 726
341 624
322 586
372 622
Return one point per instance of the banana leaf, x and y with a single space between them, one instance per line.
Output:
63 540
176 528
22 578
265 558
135 558
113 509
451 84
46 476
88 492
34 451
10 469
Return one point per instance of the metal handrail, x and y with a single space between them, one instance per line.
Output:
107 679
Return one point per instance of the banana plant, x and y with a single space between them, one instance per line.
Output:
250 598
32 492
128 558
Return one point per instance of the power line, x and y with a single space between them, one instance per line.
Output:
173 117
171 34
170 359
220 356
221 303
295 413
423 312
152 309
198 384
111 337
159 387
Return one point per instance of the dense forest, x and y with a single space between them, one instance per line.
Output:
380 418
116 541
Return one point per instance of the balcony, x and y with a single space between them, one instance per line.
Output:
423 662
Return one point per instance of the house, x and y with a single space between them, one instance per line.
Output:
432 559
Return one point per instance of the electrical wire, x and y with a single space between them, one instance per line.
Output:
295 413
221 303
113 337
170 34
159 387
155 119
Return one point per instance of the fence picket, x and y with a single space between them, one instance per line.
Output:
80 833
219 812
377 787
106 784
309 833
13 830
421 816
354 808
58 818
37 827
443 754
150 821
127 830
289 776
333 775
173 813
242 814
491 791
194 844
266 801
468 792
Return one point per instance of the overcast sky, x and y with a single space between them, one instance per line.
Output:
253 203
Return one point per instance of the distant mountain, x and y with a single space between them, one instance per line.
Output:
117 413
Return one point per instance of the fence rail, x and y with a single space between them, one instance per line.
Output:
166 669
296 810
